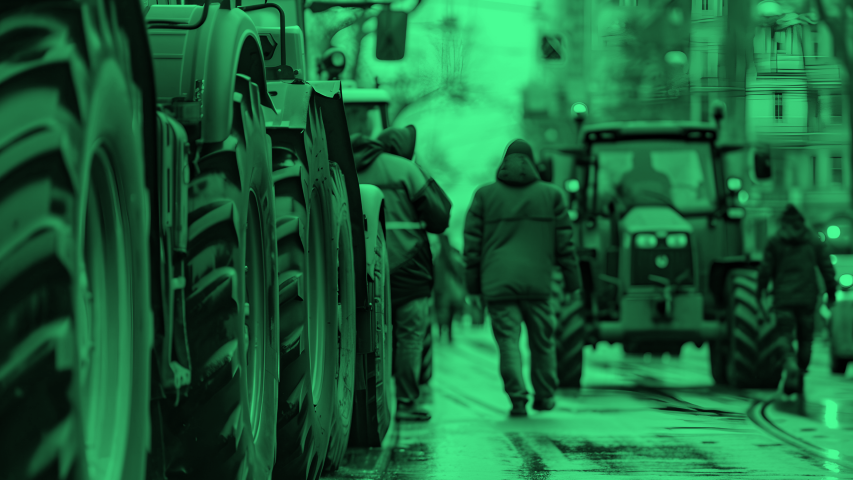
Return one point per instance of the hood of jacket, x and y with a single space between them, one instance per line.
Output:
365 150
399 141
793 228
515 170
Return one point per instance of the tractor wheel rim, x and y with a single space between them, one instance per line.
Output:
106 358
317 296
257 330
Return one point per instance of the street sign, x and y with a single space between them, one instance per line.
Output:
553 47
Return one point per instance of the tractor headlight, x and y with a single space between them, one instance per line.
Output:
645 240
676 240
572 185
734 184
846 280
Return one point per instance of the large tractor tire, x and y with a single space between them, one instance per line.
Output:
754 358
373 396
75 297
306 212
225 428
570 335
426 356
570 338
345 325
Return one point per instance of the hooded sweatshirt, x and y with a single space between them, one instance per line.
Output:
790 258
414 205
516 231
399 141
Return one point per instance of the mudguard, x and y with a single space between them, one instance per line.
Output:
373 206
720 269
232 29
212 52
175 53
328 98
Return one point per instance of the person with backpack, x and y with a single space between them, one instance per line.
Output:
414 205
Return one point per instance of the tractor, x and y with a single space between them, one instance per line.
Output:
193 282
660 248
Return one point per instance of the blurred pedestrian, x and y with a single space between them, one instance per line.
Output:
516 231
449 291
790 259
414 205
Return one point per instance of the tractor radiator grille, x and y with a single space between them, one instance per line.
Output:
643 264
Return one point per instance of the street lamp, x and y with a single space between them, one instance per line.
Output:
334 61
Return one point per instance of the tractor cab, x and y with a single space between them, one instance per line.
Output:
659 238
366 109
642 192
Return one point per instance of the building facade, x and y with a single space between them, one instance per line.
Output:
793 100
796 105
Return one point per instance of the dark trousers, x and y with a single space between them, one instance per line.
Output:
410 322
447 312
797 321
541 322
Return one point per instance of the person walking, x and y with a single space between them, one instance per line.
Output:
516 231
790 259
414 205
449 292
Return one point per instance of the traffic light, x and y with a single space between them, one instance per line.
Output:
391 35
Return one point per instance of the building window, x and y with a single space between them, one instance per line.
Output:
835 109
814 171
815 49
703 107
837 170
777 99
705 4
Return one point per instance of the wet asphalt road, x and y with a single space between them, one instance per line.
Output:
635 417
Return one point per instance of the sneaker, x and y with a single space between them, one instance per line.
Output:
408 413
544 404
519 409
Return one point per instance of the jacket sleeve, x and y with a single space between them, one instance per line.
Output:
473 250
767 269
824 264
566 256
430 201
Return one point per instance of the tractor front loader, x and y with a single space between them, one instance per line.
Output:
195 285
659 238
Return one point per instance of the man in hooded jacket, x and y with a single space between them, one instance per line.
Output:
790 258
399 141
414 205
449 287
516 231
